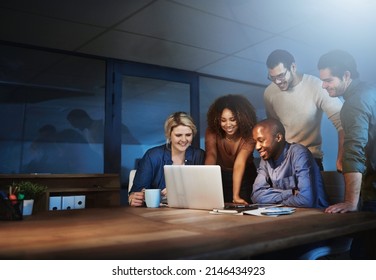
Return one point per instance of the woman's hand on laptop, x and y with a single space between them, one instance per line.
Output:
239 200
137 198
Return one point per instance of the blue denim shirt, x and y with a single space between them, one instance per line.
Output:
294 169
150 173
358 117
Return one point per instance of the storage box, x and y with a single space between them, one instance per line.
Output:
67 203
79 202
55 203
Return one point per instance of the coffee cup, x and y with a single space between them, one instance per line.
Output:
152 198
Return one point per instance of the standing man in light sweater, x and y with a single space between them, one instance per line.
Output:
298 101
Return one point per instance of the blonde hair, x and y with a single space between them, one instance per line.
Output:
176 119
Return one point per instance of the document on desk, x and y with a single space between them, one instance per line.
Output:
233 209
271 211
225 211
250 209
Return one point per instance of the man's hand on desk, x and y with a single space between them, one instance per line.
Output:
341 208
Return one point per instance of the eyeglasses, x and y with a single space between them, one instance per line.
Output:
280 77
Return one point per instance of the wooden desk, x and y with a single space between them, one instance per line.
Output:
164 233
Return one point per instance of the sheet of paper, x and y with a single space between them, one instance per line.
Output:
273 211
225 211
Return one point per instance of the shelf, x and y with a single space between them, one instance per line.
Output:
101 190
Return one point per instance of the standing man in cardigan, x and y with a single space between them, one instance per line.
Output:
339 75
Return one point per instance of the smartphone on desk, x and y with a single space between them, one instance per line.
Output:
245 207
240 207
233 208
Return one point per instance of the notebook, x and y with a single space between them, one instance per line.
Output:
194 186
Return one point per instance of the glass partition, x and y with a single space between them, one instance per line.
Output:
146 103
52 107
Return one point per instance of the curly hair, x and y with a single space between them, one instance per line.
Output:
243 110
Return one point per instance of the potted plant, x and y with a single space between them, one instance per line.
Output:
28 192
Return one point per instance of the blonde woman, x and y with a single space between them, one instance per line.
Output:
179 132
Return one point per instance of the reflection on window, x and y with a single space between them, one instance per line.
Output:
146 103
38 91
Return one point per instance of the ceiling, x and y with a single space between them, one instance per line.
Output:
226 38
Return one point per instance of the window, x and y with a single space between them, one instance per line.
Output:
38 90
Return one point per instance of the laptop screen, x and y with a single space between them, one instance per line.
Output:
194 186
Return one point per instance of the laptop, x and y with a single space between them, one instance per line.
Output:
194 186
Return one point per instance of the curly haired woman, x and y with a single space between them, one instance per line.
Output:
229 143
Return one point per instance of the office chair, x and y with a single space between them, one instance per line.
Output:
132 173
335 189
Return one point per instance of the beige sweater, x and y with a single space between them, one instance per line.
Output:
300 110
